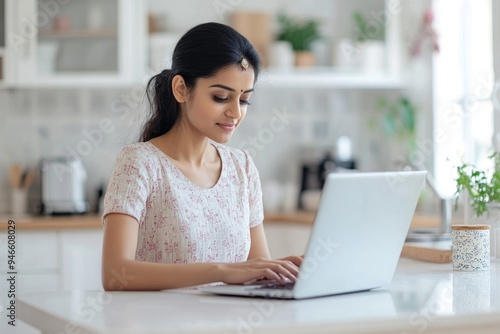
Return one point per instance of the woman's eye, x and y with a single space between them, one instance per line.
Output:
219 99
222 100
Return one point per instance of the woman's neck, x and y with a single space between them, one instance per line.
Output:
182 145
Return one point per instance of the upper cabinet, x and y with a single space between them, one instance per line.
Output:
73 43
6 54
112 43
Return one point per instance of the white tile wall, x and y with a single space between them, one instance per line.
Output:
45 122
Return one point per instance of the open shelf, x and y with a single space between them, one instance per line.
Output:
83 33
328 77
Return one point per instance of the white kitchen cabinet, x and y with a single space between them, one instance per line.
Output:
56 260
80 259
7 55
75 43
36 252
287 238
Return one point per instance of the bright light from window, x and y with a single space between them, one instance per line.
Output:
462 83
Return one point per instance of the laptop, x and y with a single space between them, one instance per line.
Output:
358 233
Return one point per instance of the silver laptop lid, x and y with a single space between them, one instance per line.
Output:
359 231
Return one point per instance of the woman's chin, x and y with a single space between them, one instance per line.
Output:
221 139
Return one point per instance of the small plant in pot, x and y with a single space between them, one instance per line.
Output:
301 35
369 36
367 30
482 186
483 189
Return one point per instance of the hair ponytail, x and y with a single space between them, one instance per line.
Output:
165 109
200 53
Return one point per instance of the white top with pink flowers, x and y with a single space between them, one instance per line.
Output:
180 222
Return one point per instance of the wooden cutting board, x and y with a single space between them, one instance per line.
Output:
438 252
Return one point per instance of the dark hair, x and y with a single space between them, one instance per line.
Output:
200 53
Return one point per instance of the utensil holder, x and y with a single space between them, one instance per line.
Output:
19 205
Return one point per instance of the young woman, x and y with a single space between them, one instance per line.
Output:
181 209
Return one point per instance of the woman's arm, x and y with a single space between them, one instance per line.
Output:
120 270
258 246
260 249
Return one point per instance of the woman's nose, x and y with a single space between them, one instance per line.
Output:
234 110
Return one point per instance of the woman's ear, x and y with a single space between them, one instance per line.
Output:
179 89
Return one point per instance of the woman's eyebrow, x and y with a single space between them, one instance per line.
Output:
231 89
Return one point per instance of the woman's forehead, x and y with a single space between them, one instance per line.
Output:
232 76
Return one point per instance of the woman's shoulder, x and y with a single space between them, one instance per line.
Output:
141 153
238 155
138 149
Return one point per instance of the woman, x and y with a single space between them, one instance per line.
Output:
182 210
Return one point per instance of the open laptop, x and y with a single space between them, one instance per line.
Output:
356 240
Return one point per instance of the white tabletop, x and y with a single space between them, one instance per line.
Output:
422 297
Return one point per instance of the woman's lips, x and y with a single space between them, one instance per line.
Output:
227 126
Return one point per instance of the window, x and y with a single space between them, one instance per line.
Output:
463 81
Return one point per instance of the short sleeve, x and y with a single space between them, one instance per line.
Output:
127 190
255 193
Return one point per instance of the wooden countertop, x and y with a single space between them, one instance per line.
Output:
306 217
94 221
53 222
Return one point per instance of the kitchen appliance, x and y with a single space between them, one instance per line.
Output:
314 173
63 186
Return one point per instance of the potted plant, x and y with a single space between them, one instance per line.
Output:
396 119
482 186
369 36
301 35
365 30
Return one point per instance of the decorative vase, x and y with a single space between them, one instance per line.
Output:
304 59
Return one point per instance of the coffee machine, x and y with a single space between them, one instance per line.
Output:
314 173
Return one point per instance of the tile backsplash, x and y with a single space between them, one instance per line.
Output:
283 127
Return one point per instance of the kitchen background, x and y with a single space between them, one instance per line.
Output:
413 84
72 83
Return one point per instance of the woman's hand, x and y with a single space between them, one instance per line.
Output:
279 270
297 260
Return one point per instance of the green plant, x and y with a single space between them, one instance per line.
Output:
300 34
364 30
482 186
397 119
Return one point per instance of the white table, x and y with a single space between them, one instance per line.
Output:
423 297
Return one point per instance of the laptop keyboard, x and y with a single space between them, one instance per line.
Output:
287 286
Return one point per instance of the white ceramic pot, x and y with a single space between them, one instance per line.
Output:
372 56
281 55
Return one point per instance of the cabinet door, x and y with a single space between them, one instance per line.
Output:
81 252
36 252
7 42
79 43
286 239
36 261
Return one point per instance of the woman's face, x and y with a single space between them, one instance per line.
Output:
218 104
